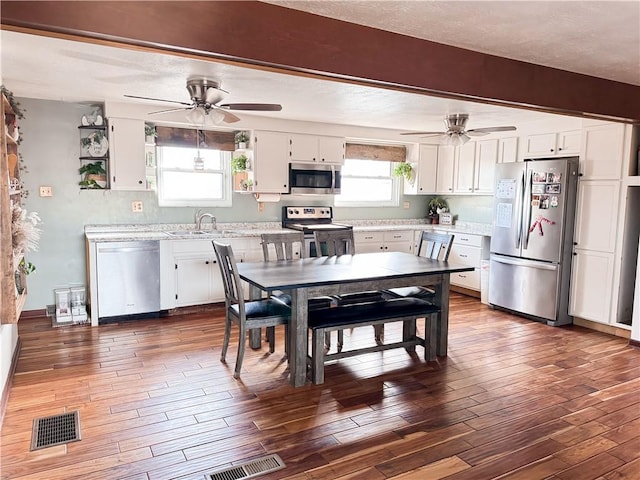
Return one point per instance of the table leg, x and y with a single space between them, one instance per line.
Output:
255 341
443 323
298 337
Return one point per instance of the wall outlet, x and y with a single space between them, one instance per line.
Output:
406 205
46 191
136 206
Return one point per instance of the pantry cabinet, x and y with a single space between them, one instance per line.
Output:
591 285
602 152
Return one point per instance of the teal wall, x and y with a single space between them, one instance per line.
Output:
50 150
476 209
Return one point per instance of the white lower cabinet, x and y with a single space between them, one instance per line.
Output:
591 281
385 241
468 249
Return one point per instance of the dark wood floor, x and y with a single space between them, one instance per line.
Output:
515 399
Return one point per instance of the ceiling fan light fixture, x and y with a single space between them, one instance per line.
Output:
455 139
214 117
196 116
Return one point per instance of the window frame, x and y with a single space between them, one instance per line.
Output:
396 189
225 171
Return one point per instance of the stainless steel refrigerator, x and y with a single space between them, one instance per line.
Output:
532 238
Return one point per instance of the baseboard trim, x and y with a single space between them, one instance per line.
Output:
601 327
634 343
34 313
465 291
7 387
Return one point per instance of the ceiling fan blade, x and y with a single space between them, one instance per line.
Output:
475 131
167 110
263 107
159 100
423 133
228 116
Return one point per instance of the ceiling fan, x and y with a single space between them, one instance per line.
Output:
456 134
205 107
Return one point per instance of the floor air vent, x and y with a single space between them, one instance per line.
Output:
251 469
55 430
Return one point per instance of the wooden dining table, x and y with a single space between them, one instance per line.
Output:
313 277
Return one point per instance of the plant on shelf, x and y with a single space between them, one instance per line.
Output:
403 169
95 175
239 163
23 270
246 184
150 133
95 143
437 205
242 139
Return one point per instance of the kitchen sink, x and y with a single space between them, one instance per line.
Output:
196 233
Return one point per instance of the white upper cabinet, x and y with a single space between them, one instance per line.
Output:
485 165
508 150
127 154
314 148
270 162
464 168
446 164
552 144
423 180
602 152
475 167
597 209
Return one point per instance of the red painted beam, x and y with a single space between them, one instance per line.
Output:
269 35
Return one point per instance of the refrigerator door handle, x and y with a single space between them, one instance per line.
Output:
527 198
519 200
523 263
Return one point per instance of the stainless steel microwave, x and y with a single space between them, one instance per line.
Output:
314 178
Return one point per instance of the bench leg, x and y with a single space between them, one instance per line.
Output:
430 337
317 355
409 333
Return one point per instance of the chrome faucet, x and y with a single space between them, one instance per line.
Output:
199 216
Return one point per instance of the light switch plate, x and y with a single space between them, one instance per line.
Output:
136 206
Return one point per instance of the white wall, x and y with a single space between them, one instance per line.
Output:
8 342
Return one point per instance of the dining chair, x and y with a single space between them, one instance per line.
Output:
247 315
286 245
436 246
334 242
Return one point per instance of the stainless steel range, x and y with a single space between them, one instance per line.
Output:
308 220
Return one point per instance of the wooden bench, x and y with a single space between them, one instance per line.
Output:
406 310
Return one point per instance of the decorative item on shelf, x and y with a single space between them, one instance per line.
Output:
12 160
25 233
404 169
96 144
437 205
94 118
15 105
246 185
150 133
446 218
21 273
95 176
242 140
239 163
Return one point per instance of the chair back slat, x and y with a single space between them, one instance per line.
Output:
336 242
435 245
231 280
283 244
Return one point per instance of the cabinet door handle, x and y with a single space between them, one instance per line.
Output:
462 276
463 256
139 182
207 262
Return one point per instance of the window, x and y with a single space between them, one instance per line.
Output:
368 183
183 181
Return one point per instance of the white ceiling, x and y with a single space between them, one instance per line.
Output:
596 38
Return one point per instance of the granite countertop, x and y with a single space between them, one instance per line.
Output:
132 232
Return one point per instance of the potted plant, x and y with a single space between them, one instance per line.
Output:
242 139
246 184
24 269
437 205
150 133
403 169
239 163
95 175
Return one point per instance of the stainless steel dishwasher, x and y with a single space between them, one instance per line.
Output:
128 277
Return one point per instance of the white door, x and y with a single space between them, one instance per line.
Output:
464 170
193 280
597 214
427 169
270 163
127 154
444 176
331 149
591 280
486 159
